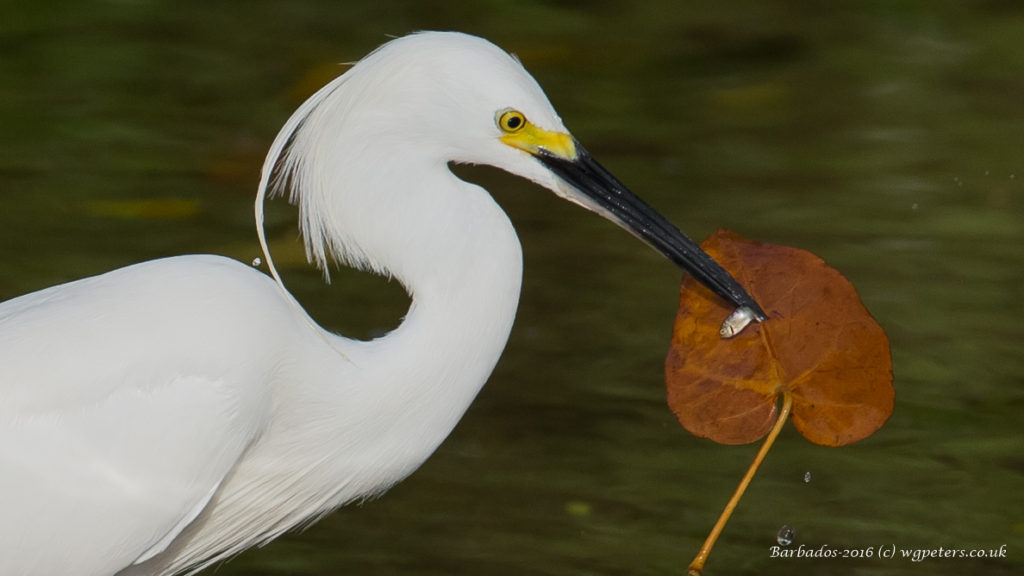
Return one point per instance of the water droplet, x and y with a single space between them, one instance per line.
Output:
914 206
807 477
256 262
785 536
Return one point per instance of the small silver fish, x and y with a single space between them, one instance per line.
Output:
736 322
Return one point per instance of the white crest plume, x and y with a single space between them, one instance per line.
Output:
281 172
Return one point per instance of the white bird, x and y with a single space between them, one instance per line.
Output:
164 416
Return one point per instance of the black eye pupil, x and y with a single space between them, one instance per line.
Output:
514 122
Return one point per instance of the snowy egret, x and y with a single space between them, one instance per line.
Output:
161 417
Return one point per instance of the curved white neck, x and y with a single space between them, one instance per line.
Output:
385 405
464 274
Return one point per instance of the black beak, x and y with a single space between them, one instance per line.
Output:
611 198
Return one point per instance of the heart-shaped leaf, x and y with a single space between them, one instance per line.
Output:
819 343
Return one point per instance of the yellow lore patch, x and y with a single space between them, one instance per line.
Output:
522 134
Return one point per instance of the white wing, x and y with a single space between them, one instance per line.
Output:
125 399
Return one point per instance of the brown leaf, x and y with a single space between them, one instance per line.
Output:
819 342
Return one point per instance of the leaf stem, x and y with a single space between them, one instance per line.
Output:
697 566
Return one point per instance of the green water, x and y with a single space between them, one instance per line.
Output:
888 137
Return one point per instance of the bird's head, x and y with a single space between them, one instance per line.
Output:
448 97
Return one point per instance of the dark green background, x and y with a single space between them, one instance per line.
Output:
887 137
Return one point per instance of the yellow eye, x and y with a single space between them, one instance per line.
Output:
511 121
